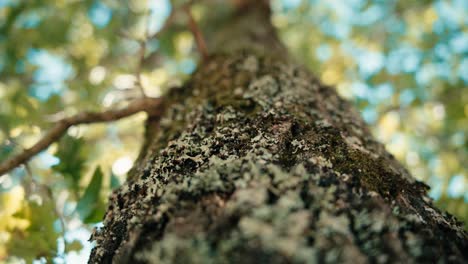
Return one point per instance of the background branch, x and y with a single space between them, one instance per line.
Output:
199 40
141 58
149 105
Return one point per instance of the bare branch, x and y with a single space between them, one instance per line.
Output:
143 48
166 25
199 40
150 105
141 59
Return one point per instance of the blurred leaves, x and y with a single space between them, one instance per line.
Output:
28 224
75 245
72 154
114 181
90 206
39 239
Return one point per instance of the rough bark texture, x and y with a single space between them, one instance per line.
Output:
256 161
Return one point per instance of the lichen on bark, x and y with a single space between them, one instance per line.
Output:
266 164
256 161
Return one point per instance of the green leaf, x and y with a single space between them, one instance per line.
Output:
89 202
5 151
114 181
72 154
167 43
75 245
97 214
40 238
5 121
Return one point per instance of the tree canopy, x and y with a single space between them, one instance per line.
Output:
404 64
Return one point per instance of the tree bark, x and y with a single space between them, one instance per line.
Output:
256 161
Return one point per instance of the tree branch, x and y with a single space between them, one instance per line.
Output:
150 105
199 40
141 58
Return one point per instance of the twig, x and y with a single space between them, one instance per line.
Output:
59 215
199 40
143 43
150 105
141 59
50 196
165 26
143 46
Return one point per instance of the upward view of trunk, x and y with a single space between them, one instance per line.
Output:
256 161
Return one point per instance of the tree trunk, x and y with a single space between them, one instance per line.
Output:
256 161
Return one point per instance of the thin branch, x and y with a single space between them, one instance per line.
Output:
166 25
50 196
150 105
139 66
59 215
143 47
199 40
147 37
141 59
